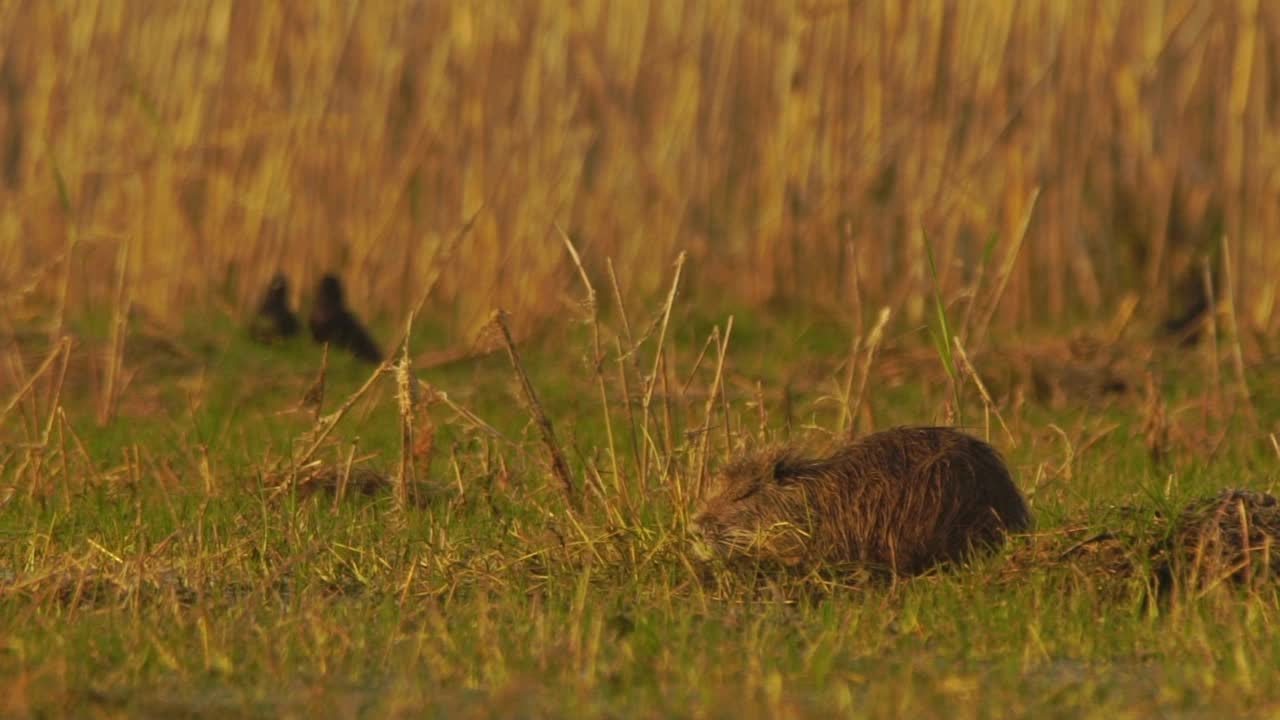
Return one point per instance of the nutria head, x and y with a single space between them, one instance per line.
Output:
756 503
902 500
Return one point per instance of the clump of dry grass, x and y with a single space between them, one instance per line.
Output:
1106 551
1228 538
1222 541
336 480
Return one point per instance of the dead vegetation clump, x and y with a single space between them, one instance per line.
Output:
337 481
1059 373
1228 538
1082 367
1106 552
1082 370
100 581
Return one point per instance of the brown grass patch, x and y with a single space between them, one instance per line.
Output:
1229 538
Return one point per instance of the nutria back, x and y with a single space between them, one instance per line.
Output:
901 500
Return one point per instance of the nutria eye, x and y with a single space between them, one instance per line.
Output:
747 492
783 480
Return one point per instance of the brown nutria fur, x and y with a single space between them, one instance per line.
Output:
901 500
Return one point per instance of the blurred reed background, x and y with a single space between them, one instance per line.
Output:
799 151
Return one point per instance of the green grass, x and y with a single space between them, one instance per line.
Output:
129 588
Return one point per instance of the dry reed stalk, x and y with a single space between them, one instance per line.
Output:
873 344
622 365
652 380
762 416
973 292
90 466
60 351
1215 373
622 308
728 424
119 327
406 478
1233 328
38 451
1007 266
559 467
1065 468
1123 316
313 398
988 403
344 479
206 471
717 384
441 253
666 371
636 448
325 424
1155 420
597 368
64 290
432 394
855 287
844 428
712 339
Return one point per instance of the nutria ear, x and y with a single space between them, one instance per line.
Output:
779 472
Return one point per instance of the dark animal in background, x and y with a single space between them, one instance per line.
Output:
331 322
274 320
1187 325
902 500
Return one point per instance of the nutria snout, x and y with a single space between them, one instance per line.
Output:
901 500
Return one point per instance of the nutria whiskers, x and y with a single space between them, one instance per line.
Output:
901 500
333 323
274 319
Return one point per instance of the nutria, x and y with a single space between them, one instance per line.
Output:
274 319
333 323
902 500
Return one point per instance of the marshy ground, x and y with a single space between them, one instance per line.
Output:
172 556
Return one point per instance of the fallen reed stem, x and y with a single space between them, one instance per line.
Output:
559 467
